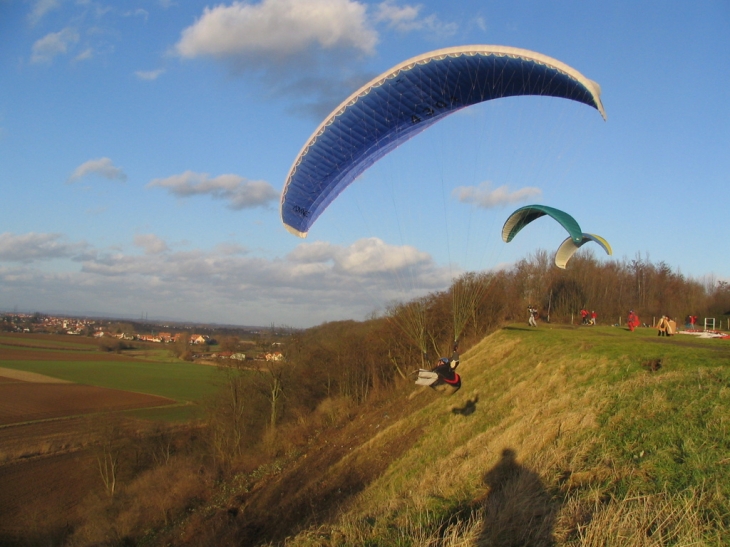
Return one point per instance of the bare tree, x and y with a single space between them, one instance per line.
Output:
229 343
272 380
110 450
181 346
226 417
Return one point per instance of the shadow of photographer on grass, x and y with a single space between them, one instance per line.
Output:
518 510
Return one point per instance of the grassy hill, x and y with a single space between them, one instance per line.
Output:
560 435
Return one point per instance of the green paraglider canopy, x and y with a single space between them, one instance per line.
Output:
524 215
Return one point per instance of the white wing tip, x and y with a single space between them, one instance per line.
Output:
294 231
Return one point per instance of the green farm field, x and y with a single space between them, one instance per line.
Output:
80 361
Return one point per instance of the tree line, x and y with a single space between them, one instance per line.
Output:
356 360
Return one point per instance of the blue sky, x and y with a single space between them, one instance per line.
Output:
144 145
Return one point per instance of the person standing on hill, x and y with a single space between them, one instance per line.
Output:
583 316
532 310
633 320
594 317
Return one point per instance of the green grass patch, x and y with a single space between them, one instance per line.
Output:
180 381
162 355
671 431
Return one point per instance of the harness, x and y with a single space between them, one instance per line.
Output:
453 382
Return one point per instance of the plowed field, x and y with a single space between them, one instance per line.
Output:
29 401
53 341
42 495
31 440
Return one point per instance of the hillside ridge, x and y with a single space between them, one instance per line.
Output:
559 435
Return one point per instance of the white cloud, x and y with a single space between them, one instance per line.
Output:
102 167
55 43
40 8
319 251
275 29
317 282
85 55
480 23
396 16
139 12
230 249
34 246
151 243
308 51
364 257
240 192
149 74
485 197
372 255
406 19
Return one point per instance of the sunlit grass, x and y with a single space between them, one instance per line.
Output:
560 436
162 355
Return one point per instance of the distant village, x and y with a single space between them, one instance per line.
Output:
37 322
120 330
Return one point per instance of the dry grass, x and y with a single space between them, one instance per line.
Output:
151 500
513 463
643 521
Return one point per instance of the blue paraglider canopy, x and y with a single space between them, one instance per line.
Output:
406 100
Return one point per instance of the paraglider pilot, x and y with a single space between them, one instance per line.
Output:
443 375
446 370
